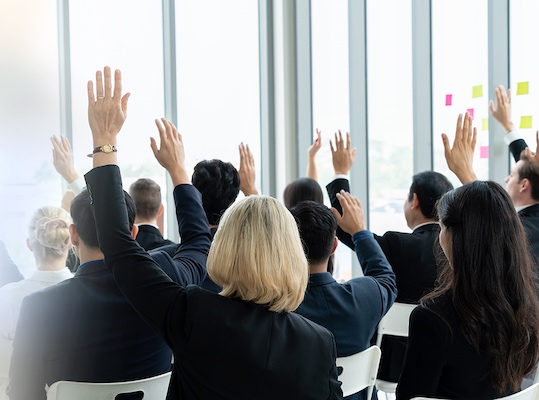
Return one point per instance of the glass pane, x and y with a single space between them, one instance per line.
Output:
115 38
389 66
331 110
524 73
460 76
218 79
29 115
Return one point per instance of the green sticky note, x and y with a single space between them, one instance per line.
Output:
477 91
522 88
484 124
526 122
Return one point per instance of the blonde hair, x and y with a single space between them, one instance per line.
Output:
257 255
48 232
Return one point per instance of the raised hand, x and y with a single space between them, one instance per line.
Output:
247 171
107 108
171 153
342 154
62 158
352 219
502 112
459 158
311 152
534 157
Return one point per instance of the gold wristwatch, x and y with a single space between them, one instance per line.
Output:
106 148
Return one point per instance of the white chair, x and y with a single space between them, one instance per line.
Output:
394 323
531 393
154 388
359 370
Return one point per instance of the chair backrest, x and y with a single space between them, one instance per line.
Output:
396 321
531 393
358 370
154 388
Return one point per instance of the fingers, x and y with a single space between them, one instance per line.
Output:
491 107
91 95
117 84
108 82
331 147
99 84
318 135
447 147
458 131
499 96
348 141
474 138
154 147
337 215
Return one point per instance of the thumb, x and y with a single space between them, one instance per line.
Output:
153 145
337 215
447 148
125 98
491 107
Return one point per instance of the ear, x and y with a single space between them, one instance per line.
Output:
161 210
134 231
75 240
29 245
415 201
335 244
525 185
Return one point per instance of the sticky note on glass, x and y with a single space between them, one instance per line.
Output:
470 111
484 124
448 99
522 88
483 152
477 91
526 122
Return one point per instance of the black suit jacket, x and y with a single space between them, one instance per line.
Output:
84 329
150 238
529 216
223 348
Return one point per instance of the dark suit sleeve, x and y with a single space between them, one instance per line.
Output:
425 355
516 148
375 265
147 288
8 270
333 188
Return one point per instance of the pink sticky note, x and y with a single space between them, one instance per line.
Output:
483 152
448 99
470 111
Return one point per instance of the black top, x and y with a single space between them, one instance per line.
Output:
150 238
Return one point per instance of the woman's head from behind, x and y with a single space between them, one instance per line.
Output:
48 233
302 189
489 278
257 255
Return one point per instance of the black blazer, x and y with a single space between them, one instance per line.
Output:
84 329
223 348
411 255
150 238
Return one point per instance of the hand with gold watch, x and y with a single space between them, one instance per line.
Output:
106 148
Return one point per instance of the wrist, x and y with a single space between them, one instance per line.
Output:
179 177
70 176
509 127
341 171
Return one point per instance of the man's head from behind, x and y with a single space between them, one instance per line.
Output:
219 184
146 194
427 187
317 227
84 221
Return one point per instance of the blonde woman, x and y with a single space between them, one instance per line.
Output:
49 241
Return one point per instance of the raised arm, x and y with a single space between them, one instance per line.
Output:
62 159
534 157
312 171
459 158
247 171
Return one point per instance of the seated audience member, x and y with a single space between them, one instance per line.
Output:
84 329
522 183
8 270
411 255
146 194
244 343
476 335
49 242
351 310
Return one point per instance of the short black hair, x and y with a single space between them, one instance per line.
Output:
317 227
300 190
219 184
83 217
429 186
146 194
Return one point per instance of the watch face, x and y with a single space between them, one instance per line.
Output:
106 148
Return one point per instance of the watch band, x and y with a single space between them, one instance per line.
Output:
106 148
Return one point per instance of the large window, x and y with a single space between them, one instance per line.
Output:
29 115
460 76
524 80
390 118
218 79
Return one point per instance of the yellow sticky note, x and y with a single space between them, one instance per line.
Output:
522 88
484 124
477 91
526 122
